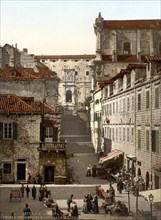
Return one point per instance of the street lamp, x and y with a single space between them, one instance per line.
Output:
137 183
151 198
128 191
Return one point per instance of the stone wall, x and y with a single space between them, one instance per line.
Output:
39 89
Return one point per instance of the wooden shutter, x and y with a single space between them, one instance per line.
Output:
42 132
15 131
55 134
1 130
153 141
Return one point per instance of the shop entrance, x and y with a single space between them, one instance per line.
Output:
49 174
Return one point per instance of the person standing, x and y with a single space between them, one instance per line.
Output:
34 192
27 191
88 170
27 213
69 201
120 185
112 192
22 189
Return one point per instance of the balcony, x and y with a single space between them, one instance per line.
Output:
54 146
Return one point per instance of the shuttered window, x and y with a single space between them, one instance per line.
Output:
155 141
157 97
139 138
8 131
139 101
147 99
147 139
7 168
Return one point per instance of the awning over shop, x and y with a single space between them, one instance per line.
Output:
112 155
131 157
155 192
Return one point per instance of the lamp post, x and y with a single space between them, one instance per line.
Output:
137 195
128 191
137 183
151 198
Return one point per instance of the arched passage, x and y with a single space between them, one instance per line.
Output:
68 95
139 171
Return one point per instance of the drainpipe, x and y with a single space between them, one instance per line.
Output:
151 133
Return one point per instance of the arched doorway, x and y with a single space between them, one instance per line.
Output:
68 95
139 171
147 180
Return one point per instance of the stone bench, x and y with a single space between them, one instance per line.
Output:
15 194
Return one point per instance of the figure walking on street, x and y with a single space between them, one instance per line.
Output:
27 213
22 189
69 201
34 192
27 191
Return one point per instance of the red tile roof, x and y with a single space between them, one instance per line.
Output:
132 24
20 73
136 66
10 103
16 73
83 56
121 58
40 106
153 58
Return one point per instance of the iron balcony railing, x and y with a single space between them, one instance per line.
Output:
54 146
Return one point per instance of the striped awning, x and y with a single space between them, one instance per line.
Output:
112 155
155 192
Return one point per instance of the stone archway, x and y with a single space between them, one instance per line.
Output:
139 171
68 95
147 180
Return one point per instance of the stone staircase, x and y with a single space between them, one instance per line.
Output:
74 128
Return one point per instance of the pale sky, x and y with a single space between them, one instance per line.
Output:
65 27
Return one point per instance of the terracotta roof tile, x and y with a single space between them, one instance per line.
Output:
40 106
83 56
20 73
153 58
128 24
16 73
10 103
136 66
121 58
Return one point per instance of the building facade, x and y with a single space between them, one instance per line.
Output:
75 77
30 141
40 84
127 70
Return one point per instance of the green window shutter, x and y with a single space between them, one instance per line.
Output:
1 130
15 129
153 141
139 138
147 139
55 134
157 141
42 132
